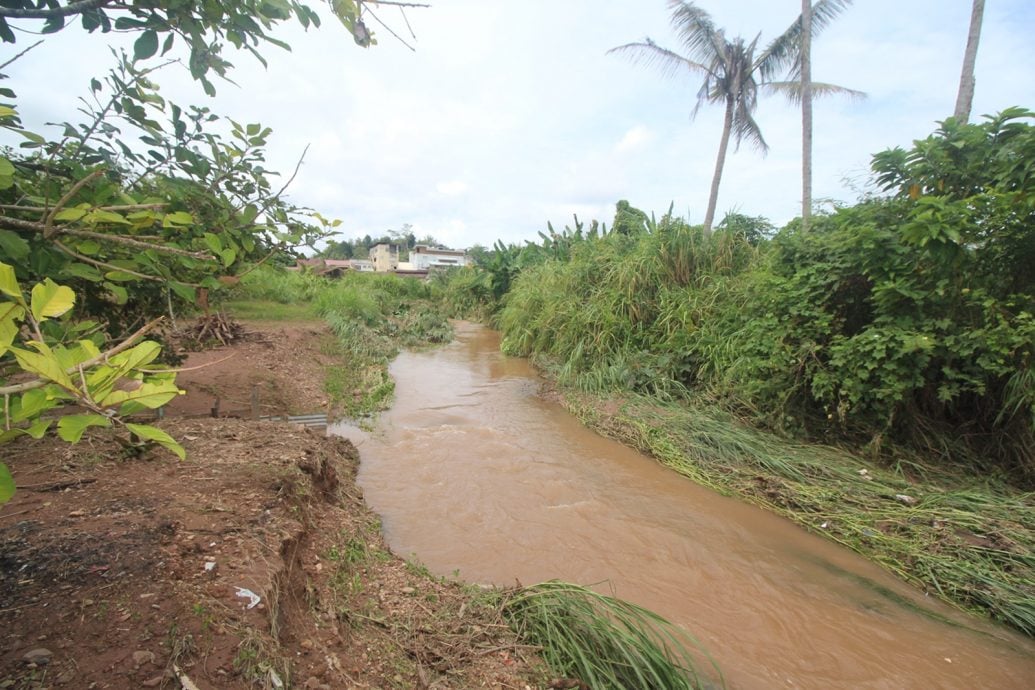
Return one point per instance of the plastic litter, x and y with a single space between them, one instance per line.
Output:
253 598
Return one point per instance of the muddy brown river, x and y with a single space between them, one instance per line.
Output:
474 474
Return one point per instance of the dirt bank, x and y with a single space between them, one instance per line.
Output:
253 563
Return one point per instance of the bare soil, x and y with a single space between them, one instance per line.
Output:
253 563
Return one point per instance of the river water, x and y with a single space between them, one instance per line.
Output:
473 473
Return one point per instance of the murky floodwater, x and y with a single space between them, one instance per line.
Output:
472 472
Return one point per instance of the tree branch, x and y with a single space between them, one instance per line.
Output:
124 345
52 12
21 53
48 221
118 239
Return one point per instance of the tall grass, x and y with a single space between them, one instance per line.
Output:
606 643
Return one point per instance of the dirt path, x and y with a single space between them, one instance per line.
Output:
130 572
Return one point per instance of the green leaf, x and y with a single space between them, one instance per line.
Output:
13 245
50 299
184 292
84 271
44 364
118 292
137 356
70 214
146 45
10 314
6 484
213 242
119 276
228 256
32 136
9 283
150 433
150 395
31 404
37 430
71 427
5 165
177 218
7 111
98 216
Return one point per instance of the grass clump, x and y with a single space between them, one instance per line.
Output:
604 642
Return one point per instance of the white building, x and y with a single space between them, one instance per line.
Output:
424 257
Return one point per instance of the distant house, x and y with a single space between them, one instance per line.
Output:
424 258
384 257
363 265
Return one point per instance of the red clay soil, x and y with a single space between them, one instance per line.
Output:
252 564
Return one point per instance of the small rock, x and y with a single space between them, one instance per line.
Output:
153 682
39 656
143 657
905 500
407 590
77 513
306 644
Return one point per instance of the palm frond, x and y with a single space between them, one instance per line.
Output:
792 90
696 30
649 53
784 52
745 127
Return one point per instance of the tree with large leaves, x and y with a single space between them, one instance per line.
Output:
734 71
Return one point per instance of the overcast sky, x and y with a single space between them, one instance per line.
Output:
509 114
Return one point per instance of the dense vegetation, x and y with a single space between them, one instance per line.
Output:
905 319
899 329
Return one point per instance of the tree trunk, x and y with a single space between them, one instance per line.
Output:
720 160
806 113
965 98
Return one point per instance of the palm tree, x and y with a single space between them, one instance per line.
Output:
965 97
732 72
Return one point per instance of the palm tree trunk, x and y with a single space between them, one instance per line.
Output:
965 97
713 197
806 113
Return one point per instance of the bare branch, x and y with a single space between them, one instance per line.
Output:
389 30
21 53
